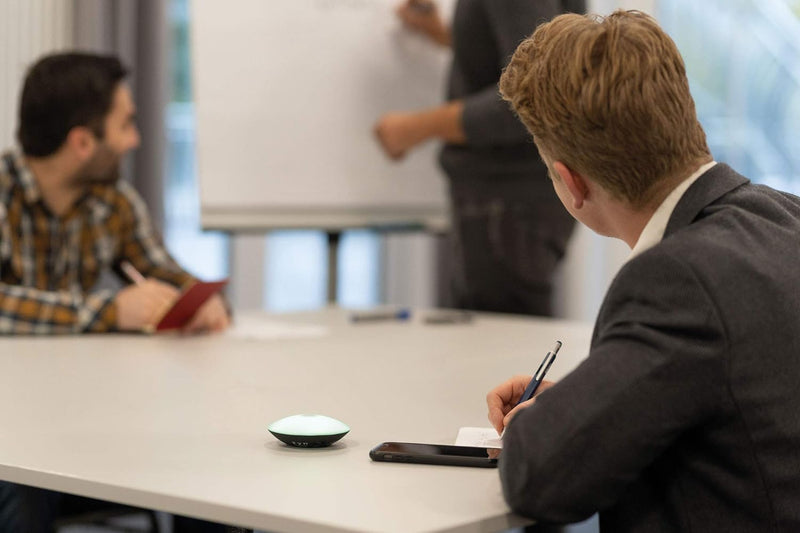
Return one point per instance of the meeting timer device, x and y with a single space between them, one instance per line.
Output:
308 431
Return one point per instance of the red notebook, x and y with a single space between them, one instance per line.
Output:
188 303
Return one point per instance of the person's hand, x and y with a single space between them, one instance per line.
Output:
399 132
140 306
212 316
502 400
423 16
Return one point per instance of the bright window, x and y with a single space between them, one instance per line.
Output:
743 62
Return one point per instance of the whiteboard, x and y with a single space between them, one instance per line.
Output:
286 96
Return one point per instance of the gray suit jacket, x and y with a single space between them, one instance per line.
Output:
686 414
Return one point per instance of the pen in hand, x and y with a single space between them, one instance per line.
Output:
130 271
541 372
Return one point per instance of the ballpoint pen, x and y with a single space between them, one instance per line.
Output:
538 377
130 271
137 279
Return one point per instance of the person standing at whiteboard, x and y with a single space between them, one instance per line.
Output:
509 229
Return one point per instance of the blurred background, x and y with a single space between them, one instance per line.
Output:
743 59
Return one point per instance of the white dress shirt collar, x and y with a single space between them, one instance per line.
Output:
653 231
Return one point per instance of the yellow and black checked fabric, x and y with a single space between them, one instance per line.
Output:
49 265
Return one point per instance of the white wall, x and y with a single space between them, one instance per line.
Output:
28 29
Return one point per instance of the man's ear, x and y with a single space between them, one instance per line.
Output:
575 183
82 142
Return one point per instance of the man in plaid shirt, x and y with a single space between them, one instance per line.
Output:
65 216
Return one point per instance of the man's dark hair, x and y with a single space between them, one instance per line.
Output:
62 91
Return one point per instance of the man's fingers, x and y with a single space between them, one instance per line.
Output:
496 420
502 400
498 400
196 323
516 410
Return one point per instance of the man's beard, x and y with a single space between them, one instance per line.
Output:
103 167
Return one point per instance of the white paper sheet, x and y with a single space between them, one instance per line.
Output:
481 437
256 329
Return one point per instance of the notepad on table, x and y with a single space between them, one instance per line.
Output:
263 329
187 304
480 437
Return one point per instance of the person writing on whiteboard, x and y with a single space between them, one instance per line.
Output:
65 216
684 416
509 230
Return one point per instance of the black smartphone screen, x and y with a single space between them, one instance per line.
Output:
435 454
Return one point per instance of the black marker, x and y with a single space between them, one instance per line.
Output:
538 377
462 317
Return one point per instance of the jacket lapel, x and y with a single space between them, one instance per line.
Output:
716 182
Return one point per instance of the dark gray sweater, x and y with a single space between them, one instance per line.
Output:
485 35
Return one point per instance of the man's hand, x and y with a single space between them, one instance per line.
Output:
140 306
212 316
399 132
423 16
502 400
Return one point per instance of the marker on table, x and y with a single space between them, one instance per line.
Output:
538 377
134 275
380 316
449 317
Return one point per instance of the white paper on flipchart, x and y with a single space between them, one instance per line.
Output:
480 437
259 329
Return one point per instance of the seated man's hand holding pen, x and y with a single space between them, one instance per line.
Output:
141 305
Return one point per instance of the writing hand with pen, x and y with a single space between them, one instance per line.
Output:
141 305
510 397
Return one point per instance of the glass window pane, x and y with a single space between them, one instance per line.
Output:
204 254
359 269
296 268
743 62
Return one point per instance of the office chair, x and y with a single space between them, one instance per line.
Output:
109 518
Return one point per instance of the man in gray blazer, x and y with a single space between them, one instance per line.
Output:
686 414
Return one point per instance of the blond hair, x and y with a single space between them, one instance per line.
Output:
608 97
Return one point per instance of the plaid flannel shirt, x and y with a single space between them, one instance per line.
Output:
49 265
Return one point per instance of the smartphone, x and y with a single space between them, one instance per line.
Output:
435 454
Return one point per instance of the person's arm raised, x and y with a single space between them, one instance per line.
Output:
423 16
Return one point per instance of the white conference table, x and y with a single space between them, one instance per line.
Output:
179 424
